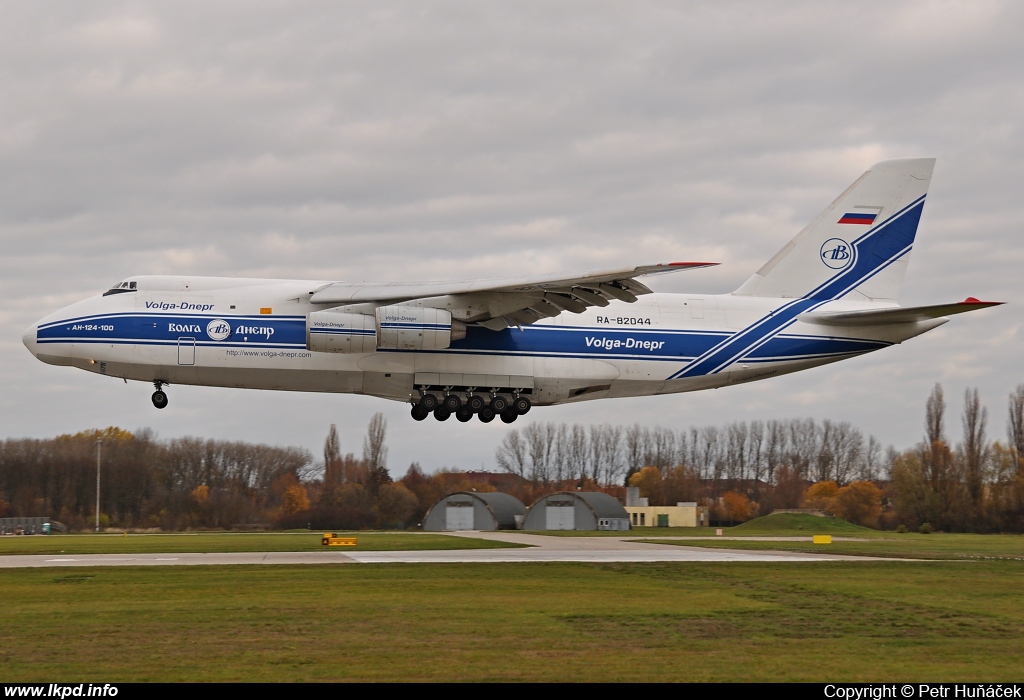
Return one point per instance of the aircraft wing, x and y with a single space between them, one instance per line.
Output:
498 303
896 314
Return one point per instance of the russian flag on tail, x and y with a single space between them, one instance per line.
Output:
858 218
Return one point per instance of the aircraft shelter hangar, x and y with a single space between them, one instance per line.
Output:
469 510
577 510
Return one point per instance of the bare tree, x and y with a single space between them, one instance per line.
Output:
1015 426
637 449
561 457
935 410
661 451
332 458
936 451
708 449
824 461
846 446
511 454
578 449
775 448
871 461
610 439
540 445
754 456
596 455
736 435
975 448
375 453
803 445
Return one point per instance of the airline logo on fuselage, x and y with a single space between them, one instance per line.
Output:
183 306
624 343
218 329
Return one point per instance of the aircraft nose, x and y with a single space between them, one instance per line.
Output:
29 338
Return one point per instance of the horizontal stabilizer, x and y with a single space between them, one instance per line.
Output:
896 314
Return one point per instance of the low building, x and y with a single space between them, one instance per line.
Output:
469 510
684 514
37 525
577 510
633 497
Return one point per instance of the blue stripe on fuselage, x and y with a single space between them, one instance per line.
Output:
149 329
589 342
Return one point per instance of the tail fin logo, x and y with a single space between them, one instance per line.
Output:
836 253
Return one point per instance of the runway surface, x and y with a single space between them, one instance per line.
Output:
542 549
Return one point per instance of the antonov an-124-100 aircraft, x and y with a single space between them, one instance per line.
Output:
497 347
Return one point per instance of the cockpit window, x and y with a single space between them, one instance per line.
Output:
121 288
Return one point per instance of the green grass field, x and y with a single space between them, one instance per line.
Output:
797 523
860 621
906 546
868 542
231 542
961 619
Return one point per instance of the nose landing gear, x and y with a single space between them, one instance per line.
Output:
159 397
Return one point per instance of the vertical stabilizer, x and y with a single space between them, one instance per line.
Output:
859 246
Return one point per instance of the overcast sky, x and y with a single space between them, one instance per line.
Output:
407 141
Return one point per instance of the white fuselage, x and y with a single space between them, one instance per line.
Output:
253 333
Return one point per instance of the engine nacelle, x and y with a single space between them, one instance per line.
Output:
402 327
337 331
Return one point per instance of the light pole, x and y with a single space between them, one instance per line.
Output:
99 448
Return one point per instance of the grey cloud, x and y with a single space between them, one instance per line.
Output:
412 141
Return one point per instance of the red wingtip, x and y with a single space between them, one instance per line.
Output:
975 302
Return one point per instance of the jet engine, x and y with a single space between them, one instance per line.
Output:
338 331
397 327
402 327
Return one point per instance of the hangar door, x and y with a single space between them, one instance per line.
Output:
458 515
561 515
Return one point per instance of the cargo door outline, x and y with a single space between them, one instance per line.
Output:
186 351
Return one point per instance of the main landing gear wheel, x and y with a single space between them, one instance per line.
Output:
522 405
441 413
452 402
509 416
475 403
429 402
419 413
486 414
499 404
464 414
159 399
